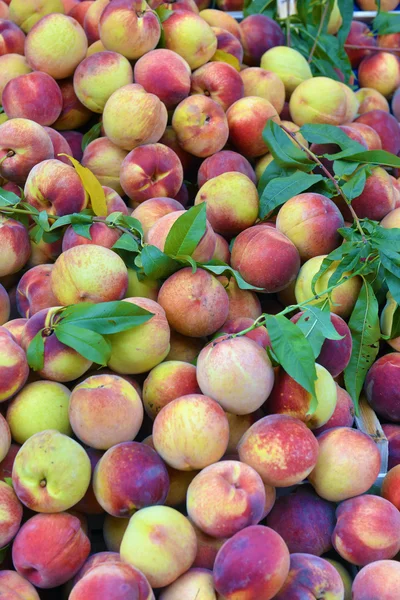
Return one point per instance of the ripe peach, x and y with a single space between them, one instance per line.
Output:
184 348
392 432
114 201
386 127
309 575
227 42
44 252
56 45
6 464
382 387
11 511
359 35
4 305
4 10
12 39
141 348
242 303
360 539
94 561
14 368
247 119
194 581
123 117
88 505
128 477
34 291
371 99
289 66
104 159
89 273
264 84
217 18
15 327
391 487
113 580
74 139
105 410
25 143
165 74
26 13
259 33
380 71
78 11
97 46
195 304
60 145
73 113
221 251
254 255
190 36
11 66
306 105
5 438
207 549
101 235
151 171
113 532
369 135
380 579
219 81
190 163
348 464
14 586
304 521
142 286
343 415
35 96
224 162
258 335
200 125
254 563
92 18
14 246
150 211
50 549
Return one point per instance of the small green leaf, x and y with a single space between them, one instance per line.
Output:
346 10
35 352
132 224
163 13
186 260
187 231
220 268
344 167
385 23
36 234
259 7
87 343
106 317
126 242
335 255
279 190
93 133
82 229
8 198
156 264
355 185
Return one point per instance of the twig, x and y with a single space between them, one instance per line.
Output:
321 24
371 48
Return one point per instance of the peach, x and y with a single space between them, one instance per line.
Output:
132 29
348 464
194 581
195 304
34 291
306 105
200 125
142 286
61 363
74 139
247 119
219 81
55 187
44 252
123 117
165 74
16 327
221 251
56 45
311 575
166 382
4 10
35 96
323 219
12 39
141 348
276 436
100 233
97 46
6 464
73 113
39 406
190 163
232 202
184 348
23 144
369 135
227 42
254 563
51 472
360 539
304 521
216 18
380 579
395 104
161 543
114 581
222 162
89 273
342 299
207 549
11 511
151 171
50 549
386 127
13 586
226 497
258 335
259 33
13 367
392 432
4 305
94 561
359 35
236 372
382 386
381 71
191 37
343 415
289 67
254 254
391 486
335 354
114 201
345 576
264 84
5 438
26 13
150 211
11 66
191 432
104 159
60 145
88 505
130 476
78 12
113 532
371 99
92 18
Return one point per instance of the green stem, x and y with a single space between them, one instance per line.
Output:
320 27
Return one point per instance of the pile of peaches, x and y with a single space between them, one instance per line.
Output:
188 467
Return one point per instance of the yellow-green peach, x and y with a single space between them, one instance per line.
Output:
34 291
201 125
39 406
265 84
97 46
191 37
380 579
113 532
161 543
26 13
310 576
348 464
342 299
166 382
247 119
115 581
195 304
123 117
381 72
141 348
99 76
51 472
73 113
218 18
11 514
5 438
104 159
258 33
194 581
345 576
343 415
191 432
289 65
353 103
89 273
141 286
184 348
224 162
219 81
319 100
12 583
150 211
11 66
14 246
281 449
371 99
105 410
262 163
92 18
14 367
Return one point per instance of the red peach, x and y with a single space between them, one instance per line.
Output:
5 438
217 18
221 251
371 99
113 581
11 65
4 10
224 162
259 33
264 84
382 386
190 36
34 291
78 12
219 81
11 510
184 348
35 96
74 139
92 18
150 211
100 234
12 38
380 579
386 127
94 561
258 335
396 104
114 201
207 549
4 305
227 42
14 246
247 119
73 113
391 486
359 35
60 145
343 415
190 163
16 327
369 135
308 576
381 71
15 587
14 367
392 432
242 303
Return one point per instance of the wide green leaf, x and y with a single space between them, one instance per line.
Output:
87 343
393 283
272 171
82 229
385 23
346 10
370 157
284 150
279 190
126 242
106 317
329 134
259 7
187 231
8 198
156 264
35 352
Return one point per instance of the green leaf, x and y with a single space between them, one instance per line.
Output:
69 219
93 133
386 238
8 198
220 268
126 242
393 283
279 190
35 352
311 331
106 317
284 151
259 7
36 234
82 229
316 325
187 231
186 260
371 157
163 13
344 167
87 343
346 10
9 481
385 23
330 134
156 264
272 171
335 255
365 331
294 353
355 185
